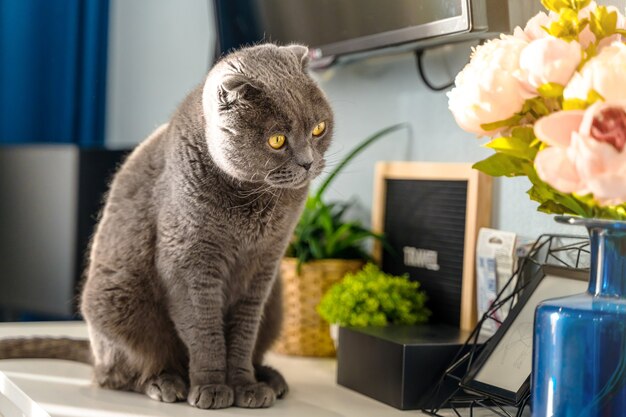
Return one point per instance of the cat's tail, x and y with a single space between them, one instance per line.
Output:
77 350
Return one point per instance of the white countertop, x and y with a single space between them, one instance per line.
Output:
56 388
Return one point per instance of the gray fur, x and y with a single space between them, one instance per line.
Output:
181 297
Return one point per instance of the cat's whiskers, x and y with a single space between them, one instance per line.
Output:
261 190
273 170
334 154
273 202
280 193
269 201
261 194
253 191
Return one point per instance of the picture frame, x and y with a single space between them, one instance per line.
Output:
430 214
502 369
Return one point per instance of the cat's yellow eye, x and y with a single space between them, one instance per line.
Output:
319 129
277 141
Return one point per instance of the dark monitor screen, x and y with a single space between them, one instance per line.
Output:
337 26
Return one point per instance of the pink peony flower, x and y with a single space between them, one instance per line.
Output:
603 73
586 37
548 60
534 28
487 89
586 151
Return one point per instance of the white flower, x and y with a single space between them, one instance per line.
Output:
487 89
548 60
605 73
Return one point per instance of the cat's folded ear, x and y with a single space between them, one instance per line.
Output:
236 88
301 52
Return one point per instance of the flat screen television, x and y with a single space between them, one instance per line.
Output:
337 27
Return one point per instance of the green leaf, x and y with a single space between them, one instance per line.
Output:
574 104
580 104
536 106
550 207
568 26
602 22
542 193
499 164
321 233
337 235
525 133
325 221
572 204
555 5
590 52
594 96
339 209
580 4
513 146
316 249
354 237
551 90
511 121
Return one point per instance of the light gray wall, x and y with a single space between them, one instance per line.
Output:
159 50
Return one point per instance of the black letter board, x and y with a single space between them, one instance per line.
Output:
431 214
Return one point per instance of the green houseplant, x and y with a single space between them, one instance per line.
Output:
371 297
325 247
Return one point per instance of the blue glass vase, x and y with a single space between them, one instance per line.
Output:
579 345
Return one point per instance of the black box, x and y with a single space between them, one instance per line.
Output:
399 365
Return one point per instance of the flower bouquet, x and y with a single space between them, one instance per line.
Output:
552 98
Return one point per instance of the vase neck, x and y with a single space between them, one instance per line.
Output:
608 261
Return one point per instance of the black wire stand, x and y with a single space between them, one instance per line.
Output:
549 249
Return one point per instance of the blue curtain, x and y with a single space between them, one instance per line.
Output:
53 58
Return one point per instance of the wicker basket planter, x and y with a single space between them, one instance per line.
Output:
304 333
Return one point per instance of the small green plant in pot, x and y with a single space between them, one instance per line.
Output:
371 297
325 246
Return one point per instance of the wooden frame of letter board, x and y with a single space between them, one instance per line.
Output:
477 215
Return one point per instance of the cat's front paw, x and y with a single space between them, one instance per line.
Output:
257 395
273 378
211 396
166 387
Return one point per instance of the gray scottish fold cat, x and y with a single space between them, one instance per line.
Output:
182 298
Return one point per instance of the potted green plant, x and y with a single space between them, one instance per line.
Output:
371 297
325 246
